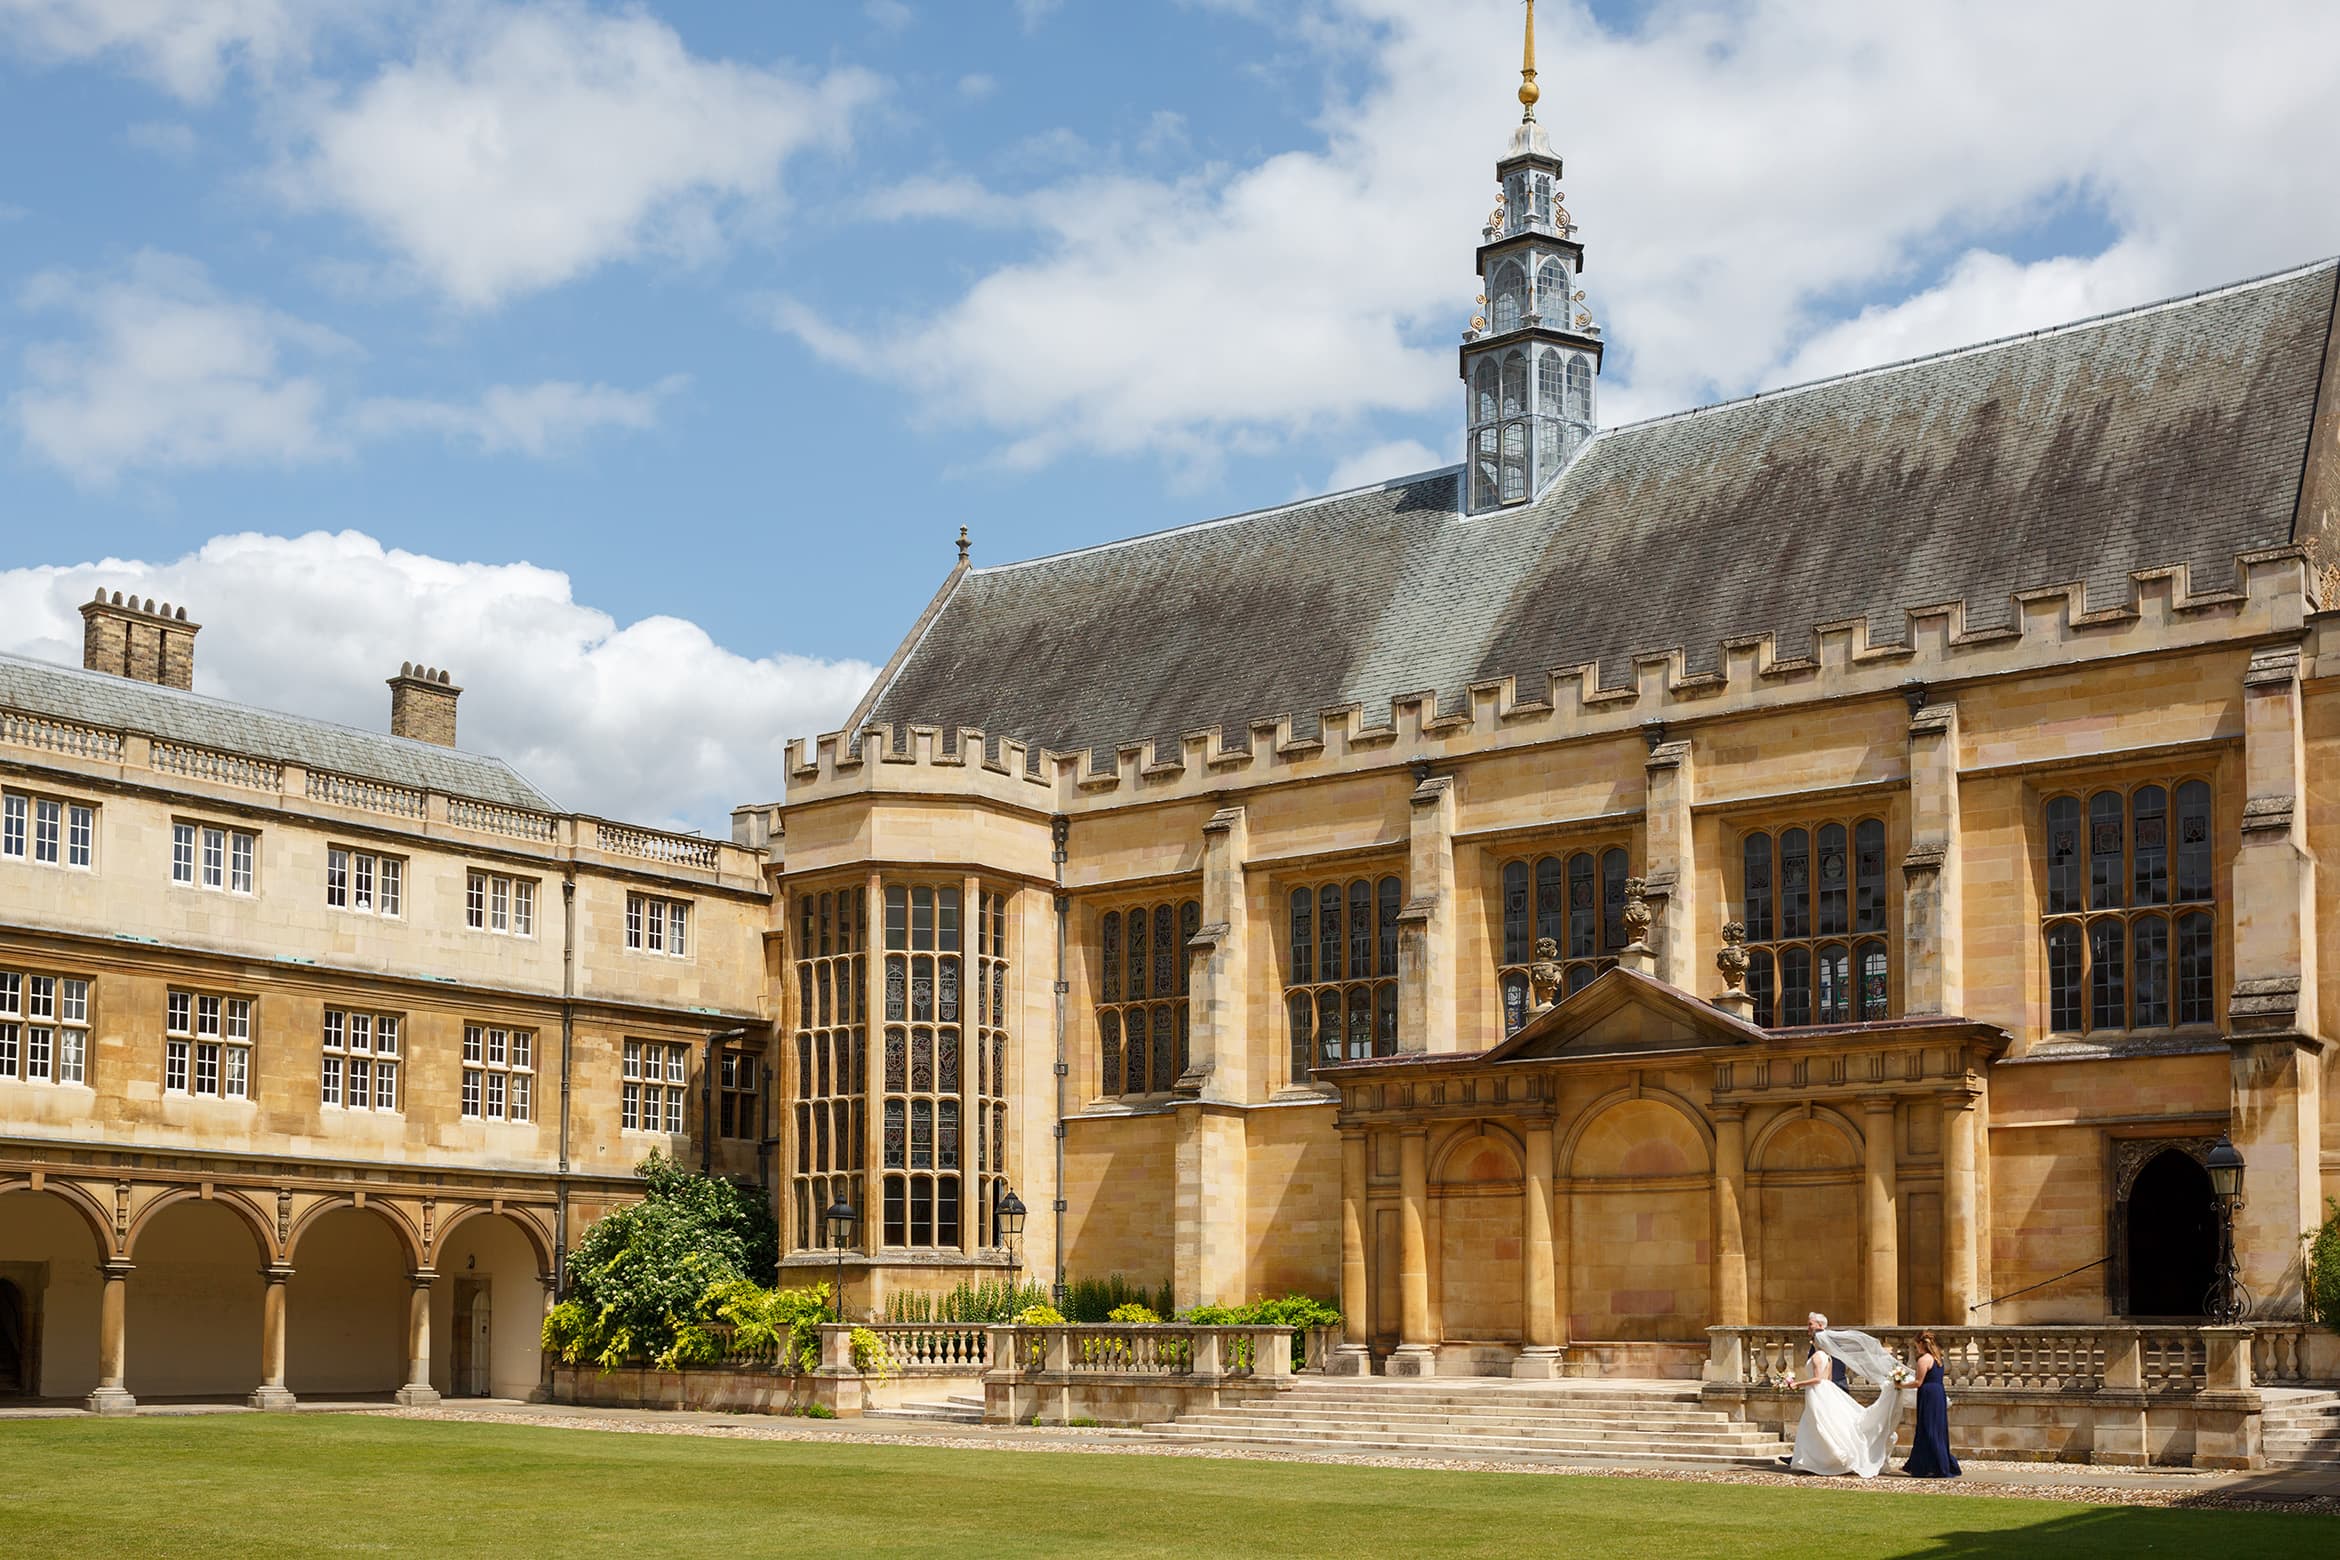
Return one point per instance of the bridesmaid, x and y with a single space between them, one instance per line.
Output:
1929 1451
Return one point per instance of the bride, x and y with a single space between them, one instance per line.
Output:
1837 1435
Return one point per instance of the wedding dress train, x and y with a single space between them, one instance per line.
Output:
1836 1434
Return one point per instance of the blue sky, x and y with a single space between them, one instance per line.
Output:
697 329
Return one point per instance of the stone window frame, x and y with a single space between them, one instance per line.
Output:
1303 977
365 882
499 1074
481 900
2070 927
1770 942
655 1086
215 858
343 1055
658 925
1117 999
43 830
45 1028
1604 851
209 1038
833 963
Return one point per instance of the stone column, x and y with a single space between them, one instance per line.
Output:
418 1392
1539 1320
1218 1049
110 1396
1931 902
1355 1355
1669 867
1211 1221
1880 1216
1417 1353
271 1394
2275 1069
1961 1210
1208 1216
1427 1004
1730 1234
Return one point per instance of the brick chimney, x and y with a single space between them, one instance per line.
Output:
139 640
422 704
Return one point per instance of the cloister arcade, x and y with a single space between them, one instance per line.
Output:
119 1292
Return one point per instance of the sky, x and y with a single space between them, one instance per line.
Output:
640 362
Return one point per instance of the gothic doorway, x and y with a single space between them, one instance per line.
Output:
468 1356
15 1343
2172 1236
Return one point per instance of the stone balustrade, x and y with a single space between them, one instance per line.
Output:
1130 1374
129 751
936 1348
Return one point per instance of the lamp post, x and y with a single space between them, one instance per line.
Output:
1011 1225
841 1220
2226 1301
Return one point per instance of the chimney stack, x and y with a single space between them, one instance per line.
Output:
422 704
139 640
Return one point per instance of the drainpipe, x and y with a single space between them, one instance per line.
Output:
1058 828
568 1046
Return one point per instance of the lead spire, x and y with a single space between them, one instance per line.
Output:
1529 92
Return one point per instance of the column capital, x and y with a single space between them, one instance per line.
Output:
1879 1104
277 1272
1413 1129
117 1268
1729 1110
423 1278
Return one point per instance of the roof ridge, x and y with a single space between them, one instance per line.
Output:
1263 513
1990 344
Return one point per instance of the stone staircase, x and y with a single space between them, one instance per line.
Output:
952 1410
1642 1422
2302 1430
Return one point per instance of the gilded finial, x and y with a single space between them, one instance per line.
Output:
1528 90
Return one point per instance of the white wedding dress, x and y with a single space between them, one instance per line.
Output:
1836 1434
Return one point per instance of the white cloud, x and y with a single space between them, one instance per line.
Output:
649 721
537 420
523 147
976 86
170 373
1738 170
184 46
1033 12
889 16
1399 458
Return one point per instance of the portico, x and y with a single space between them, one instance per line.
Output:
1636 1164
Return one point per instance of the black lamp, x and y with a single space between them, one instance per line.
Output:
2225 1164
2226 1301
1010 1213
842 1220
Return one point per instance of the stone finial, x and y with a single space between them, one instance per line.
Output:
1731 959
1545 975
1637 916
963 544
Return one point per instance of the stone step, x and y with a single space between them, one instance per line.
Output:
1601 1451
1496 1397
957 1411
1558 1445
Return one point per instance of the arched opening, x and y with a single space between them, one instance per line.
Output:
2172 1234
487 1310
49 1294
1480 1215
192 1326
1640 1217
1808 1223
346 1307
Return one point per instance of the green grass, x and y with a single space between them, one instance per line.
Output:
315 1484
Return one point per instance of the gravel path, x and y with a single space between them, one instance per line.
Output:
1997 1480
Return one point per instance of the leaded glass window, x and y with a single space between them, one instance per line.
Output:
1142 1022
1574 899
2129 908
1340 987
1816 901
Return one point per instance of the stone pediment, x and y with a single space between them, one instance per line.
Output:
1623 1013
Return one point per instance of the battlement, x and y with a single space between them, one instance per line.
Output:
2053 628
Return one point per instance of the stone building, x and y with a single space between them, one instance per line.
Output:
1853 848
318 1045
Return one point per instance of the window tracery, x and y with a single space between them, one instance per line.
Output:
1340 987
2129 909
1143 1018
1816 904
1577 899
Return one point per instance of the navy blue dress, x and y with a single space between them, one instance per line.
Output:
1929 1450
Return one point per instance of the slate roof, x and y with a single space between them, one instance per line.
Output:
98 699
2171 434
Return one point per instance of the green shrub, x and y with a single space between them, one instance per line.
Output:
814 1411
1081 1422
1298 1312
1094 1300
992 1301
1041 1314
871 1357
1134 1315
2323 1269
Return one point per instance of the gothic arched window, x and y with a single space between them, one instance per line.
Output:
2130 910
1551 381
1483 392
1556 897
1515 458
1552 296
1515 384
1142 1022
1580 379
1510 296
1340 987
1814 902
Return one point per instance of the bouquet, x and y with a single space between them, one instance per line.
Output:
1903 1376
1782 1380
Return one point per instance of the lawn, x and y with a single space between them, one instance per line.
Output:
315 1484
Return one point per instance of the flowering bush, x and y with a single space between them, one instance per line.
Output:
2323 1269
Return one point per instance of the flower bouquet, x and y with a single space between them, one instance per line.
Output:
1903 1376
1782 1380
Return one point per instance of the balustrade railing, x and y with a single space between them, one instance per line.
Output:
735 1355
201 763
679 850
2279 1354
936 1348
2025 1359
20 729
1160 1351
370 795
488 817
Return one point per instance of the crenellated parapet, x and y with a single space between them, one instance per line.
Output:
2053 628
